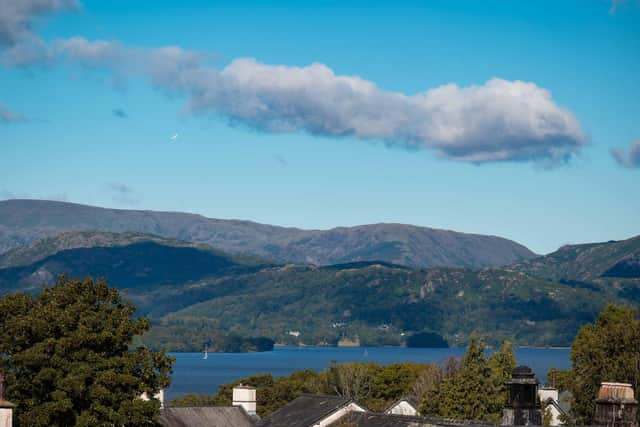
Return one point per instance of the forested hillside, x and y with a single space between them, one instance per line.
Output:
195 294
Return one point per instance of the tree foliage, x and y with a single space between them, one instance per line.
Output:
67 359
607 350
474 388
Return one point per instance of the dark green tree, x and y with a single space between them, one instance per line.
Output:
475 390
67 359
608 350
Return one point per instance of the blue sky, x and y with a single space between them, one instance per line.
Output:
310 161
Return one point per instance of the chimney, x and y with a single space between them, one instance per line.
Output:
6 408
522 407
616 405
245 396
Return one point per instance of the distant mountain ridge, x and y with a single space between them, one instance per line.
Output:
23 222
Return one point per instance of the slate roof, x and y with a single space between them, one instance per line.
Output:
372 419
305 410
201 416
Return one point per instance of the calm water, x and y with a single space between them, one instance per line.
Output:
193 374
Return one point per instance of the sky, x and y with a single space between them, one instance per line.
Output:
502 117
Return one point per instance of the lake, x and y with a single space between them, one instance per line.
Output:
193 374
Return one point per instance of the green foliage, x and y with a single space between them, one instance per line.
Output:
608 350
271 393
373 385
473 389
563 379
67 359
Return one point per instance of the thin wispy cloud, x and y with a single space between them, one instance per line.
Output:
629 158
17 17
122 194
120 113
8 116
499 120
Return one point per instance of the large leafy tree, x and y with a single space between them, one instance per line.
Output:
67 357
608 350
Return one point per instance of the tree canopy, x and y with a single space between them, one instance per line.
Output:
67 358
607 350
474 388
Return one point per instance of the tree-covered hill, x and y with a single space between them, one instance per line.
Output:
128 260
587 262
196 294
378 304
23 222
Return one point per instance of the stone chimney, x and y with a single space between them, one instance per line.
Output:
245 396
522 408
6 408
616 406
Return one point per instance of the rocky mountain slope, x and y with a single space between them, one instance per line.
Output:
24 221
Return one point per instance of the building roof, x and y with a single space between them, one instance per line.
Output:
622 392
522 375
201 416
305 410
6 404
372 419
409 399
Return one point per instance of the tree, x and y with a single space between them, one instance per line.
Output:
67 359
473 389
502 364
353 380
608 350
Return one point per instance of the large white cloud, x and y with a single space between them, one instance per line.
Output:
499 120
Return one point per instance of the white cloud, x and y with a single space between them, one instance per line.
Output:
500 120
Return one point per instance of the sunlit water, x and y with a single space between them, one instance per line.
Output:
193 374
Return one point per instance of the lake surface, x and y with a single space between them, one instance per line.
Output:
193 374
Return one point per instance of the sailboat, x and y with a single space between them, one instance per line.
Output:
206 354
365 353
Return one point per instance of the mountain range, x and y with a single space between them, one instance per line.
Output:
22 222
193 291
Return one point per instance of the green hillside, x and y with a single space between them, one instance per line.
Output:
588 262
195 294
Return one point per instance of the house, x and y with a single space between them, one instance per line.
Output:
405 406
312 410
550 398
